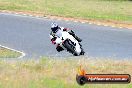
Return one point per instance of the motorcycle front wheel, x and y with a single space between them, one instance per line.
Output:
70 47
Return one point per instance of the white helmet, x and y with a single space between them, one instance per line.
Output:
54 27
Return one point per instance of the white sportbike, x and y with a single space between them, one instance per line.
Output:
69 43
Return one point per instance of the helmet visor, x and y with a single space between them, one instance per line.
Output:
54 29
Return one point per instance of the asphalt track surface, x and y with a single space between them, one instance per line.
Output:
31 35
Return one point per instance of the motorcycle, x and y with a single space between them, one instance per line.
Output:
69 43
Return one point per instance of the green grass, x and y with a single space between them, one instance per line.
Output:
119 10
6 53
59 73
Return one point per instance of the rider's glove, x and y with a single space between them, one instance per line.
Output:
53 42
65 29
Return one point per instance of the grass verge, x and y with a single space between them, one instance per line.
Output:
6 53
118 10
59 73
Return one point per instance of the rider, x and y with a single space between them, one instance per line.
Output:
57 30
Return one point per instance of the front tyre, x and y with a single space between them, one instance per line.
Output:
70 47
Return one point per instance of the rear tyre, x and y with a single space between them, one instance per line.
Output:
82 51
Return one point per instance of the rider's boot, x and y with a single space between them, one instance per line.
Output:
59 48
76 37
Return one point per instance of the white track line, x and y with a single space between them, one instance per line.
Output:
23 54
